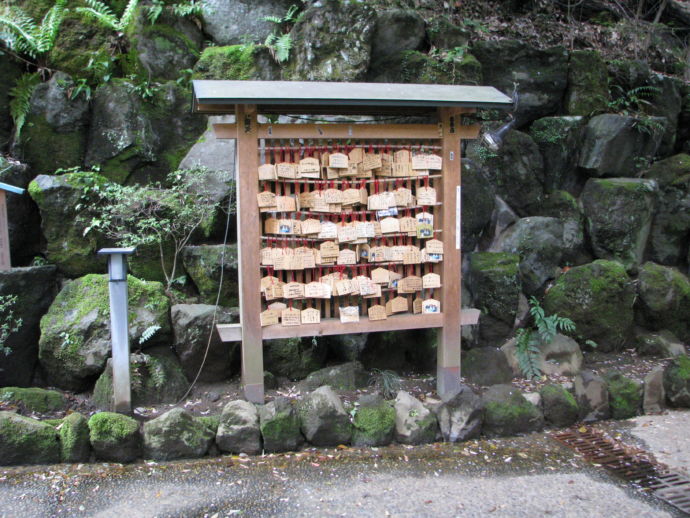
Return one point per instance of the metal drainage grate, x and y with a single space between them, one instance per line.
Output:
632 464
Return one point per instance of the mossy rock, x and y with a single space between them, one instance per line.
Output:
677 382
33 399
74 438
346 376
507 412
374 422
75 333
588 86
664 299
176 435
203 264
670 170
237 62
114 437
411 66
625 396
280 426
294 358
598 297
211 421
560 407
27 441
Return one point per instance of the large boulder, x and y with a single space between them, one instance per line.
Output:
332 42
396 30
619 213
562 205
414 423
654 395
559 140
324 421
75 333
155 377
25 224
374 422
412 66
592 394
114 437
192 325
507 412
176 434
238 431
296 358
516 171
61 201
494 281
666 103
538 241
215 154
203 264
35 288
138 140
33 399
625 396
280 426
617 145
477 203
237 62
346 348
54 135
346 376
677 382
460 415
663 344
560 357
486 366
74 432
231 21
560 407
588 84
598 297
27 441
542 74
664 299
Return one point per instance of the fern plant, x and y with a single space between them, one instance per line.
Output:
9 323
20 104
184 9
20 33
385 381
106 17
279 42
528 340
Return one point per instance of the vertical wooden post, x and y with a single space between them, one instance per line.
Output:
249 228
448 352
5 263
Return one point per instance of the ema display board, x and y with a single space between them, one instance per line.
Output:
349 233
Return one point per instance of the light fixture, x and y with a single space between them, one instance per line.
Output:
494 139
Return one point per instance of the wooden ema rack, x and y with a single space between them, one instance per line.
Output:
264 143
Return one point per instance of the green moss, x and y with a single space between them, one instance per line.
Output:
211 422
373 425
27 441
588 83
553 391
625 396
417 67
109 426
506 263
74 438
550 130
283 425
47 150
33 399
35 192
683 364
230 62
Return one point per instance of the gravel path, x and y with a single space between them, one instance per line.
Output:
667 436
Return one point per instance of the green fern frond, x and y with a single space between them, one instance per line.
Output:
154 11
128 14
48 30
19 31
283 45
273 19
101 13
148 333
21 100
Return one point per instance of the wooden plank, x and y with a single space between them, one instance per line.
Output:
248 230
335 327
448 352
230 332
5 263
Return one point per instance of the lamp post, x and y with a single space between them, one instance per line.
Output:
119 326
5 262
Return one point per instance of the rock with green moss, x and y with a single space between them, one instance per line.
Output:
203 264
234 21
588 84
75 333
618 213
33 399
486 366
212 422
677 382
176 434
294 358
411 66
507 412
332 42
54 135
443 34
538 241
346 376
670 170
396 30
559 140
374 422
414 423
618 145
560 406
477 203
238 430
35 288
664 299
663 344
598 297
561 356
155 377
460 415
74 438
323 419
114 437
280 426
237 62
564 206
494 280
27 441
61 201
625 396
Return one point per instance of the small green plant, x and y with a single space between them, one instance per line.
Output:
528 340
148 333
9 322
485 154
144 87
385 381
184 9
20 104
628 102
648 125
105 16
279 42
